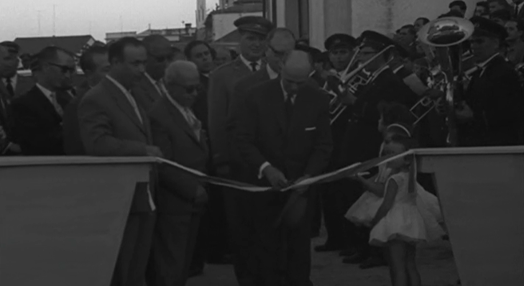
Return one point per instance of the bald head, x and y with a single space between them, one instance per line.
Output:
297 66
180 72
281 42
159 53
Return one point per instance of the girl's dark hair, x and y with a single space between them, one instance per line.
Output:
189 48
408 142
393 112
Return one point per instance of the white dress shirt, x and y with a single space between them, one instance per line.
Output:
248 63
272 74
14 81
51 96
129 97
189 116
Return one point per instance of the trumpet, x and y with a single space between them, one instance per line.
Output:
446 34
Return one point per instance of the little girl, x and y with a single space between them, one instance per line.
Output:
398 224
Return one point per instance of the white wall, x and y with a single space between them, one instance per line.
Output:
223 23
386 16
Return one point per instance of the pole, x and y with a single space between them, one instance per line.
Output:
54 20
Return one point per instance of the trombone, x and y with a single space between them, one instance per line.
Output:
353 80
445 35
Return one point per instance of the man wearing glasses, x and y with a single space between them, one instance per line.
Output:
180 197
37 115
151 87
491 113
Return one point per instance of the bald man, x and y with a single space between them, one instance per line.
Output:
180 197
293 143
150 87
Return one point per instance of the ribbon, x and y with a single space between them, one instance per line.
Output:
352 170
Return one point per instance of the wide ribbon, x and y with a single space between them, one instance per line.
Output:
352 170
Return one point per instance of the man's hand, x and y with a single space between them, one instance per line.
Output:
153 151
434 93
15 148
302 190
465 113
201 196
277 180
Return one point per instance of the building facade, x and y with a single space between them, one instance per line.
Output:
318 19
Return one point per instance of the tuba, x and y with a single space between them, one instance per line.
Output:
446 35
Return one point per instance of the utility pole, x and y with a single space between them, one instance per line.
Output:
39 26
54 20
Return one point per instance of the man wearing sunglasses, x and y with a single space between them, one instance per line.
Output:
150 86
37 115
181 198
491 113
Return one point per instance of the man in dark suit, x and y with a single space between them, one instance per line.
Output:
518 9
14 83
493 107
37 115
150 86
280 41
284 136
253 31
112 124
95 64
7 66
180 197
212 240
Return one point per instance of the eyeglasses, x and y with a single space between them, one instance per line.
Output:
191 88
64 68
477 41
162 59
277 53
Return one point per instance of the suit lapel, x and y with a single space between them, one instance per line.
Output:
276 97
124 104
44 102
181 121
151 90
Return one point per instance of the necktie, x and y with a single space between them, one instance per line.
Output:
193 122
516 11
57 106
135 106
9 86
289 106
254 66
160 88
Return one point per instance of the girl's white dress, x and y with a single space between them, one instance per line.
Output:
403 221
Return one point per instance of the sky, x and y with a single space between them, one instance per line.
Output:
33 18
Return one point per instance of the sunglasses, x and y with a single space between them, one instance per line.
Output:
191 88
63 68
477 41
277 53
162 59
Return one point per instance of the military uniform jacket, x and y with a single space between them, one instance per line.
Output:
221 89
497 101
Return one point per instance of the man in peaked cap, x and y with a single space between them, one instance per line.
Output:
340 50
493 107
253 32
362 139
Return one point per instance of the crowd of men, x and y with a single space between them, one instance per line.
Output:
279 112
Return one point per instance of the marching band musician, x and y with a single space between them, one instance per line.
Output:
340 49
493 107
362 138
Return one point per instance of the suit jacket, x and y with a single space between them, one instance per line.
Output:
299 146
36 125
497 101
72 140
201 107
23 85
145 93
221 89
109 126
237 105
173 135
